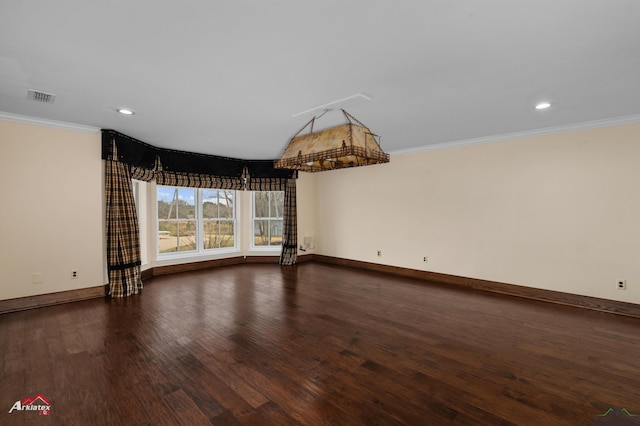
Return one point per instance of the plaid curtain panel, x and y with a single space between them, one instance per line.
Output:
123 235
289 225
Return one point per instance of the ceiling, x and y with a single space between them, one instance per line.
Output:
227 77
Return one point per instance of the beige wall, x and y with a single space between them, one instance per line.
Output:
51 209
306 203
558 212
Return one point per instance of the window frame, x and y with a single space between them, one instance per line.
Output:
268 247
219 219
199 220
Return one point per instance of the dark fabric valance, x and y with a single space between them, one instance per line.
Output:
264 169
140 154
187 162
130 151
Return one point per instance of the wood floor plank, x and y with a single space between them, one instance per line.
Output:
316 344
275 415
186 411
227 376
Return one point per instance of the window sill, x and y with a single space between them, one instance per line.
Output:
276 250
173 259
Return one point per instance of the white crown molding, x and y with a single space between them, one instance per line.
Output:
47 123
629 119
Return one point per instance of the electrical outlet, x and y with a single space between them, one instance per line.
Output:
74 274
425 259
622 284
379 253
37 277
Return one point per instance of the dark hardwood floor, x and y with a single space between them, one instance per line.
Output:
316 344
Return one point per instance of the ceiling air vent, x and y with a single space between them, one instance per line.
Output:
38 96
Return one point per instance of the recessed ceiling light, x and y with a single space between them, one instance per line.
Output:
125 111
543 105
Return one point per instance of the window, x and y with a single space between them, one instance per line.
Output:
195 220
176 219
267 218
218 218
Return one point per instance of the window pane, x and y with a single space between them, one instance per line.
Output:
166 206
275 229
226 203
176 236
186 236
186 203
176 203
261 232
227 233
218 234
210 203
168 237
260 204
276 204
211 234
